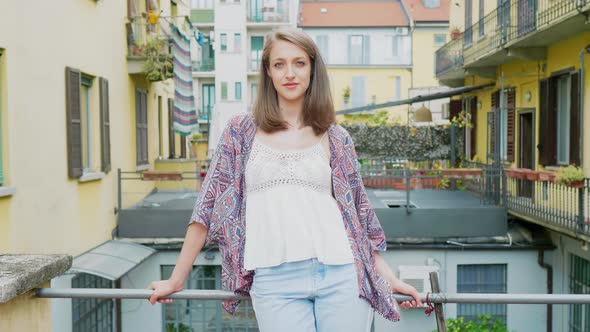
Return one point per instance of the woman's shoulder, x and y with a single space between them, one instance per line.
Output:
340 133
241 121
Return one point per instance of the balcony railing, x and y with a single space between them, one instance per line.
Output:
260 12
450 56
535 196
511 21
140 32
204 64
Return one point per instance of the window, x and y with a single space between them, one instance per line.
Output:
253 93
481 278
223 42
431 3
256 44
237 42
440 39
502 117
141 128
203 4
322 41
171 136
579 284
358 49
468 33
223 90
481 18
88 126
92 314
185 315
238 91
358 91
559 113
563 120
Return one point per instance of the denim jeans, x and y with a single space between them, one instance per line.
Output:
309 296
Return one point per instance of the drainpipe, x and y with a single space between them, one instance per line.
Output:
582 79
549 269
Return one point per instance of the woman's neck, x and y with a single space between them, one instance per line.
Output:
292 113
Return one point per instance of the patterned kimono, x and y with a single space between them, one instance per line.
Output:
222 202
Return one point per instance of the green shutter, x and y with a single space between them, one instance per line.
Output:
223 91
238 91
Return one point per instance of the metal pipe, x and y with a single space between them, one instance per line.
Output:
142 294
549 268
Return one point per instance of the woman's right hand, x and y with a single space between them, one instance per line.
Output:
162 288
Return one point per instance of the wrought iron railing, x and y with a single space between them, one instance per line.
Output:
510 21
450 56
260 12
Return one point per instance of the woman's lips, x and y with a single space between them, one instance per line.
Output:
290 85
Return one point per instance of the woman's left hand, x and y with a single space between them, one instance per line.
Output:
403 288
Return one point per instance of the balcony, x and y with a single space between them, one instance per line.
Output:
204 65
534 196
140 36
518 29
254 65
267 13
203 17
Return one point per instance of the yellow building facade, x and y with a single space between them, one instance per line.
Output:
58 169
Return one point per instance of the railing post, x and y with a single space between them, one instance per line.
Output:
453 154
438 308
581 211
408 185
119 198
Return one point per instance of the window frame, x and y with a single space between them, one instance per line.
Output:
238 91
465 306
223 42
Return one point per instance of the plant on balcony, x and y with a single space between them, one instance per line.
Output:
531 174
346 94
158 64
571 175
482 323
455 33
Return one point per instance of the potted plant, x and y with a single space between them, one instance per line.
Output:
531 174
546 176
158 64
455 33
571 175
346 94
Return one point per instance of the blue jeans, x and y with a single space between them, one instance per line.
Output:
308 296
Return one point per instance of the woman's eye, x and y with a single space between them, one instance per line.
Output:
301 63
278 65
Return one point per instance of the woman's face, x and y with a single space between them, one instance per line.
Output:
290 71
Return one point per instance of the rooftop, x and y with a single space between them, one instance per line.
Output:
352 14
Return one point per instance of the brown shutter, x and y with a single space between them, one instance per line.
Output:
510 109
183 147
473 108
171 142
575 119
144 132
455 108
492 134
547 123
105 126
74 123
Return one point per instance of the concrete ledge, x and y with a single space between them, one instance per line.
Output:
21 273
7 191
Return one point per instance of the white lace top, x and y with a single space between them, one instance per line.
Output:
290 212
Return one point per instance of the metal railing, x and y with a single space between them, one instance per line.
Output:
450 56
510 21
559 205
258 12
204 64
140 32
144 294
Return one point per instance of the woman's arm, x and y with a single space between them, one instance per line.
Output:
397 285
193 243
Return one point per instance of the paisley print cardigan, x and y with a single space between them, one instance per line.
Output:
222 201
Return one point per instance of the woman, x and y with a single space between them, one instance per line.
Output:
284 199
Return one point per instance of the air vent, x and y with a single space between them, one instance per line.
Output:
417 276
399 204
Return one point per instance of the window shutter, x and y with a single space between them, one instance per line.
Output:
141 127
575 157
455 108
547 123
183 147
511 105
105 126
171 142
493 132
74 123
473 108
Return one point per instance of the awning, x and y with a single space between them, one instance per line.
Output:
111 260
417 99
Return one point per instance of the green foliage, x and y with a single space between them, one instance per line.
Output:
346 92
158 64
483 323
404 142
463 119
196 137
170 327
569 174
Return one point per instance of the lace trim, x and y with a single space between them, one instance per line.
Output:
281 182
316 149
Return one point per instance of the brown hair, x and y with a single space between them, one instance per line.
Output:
318 108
